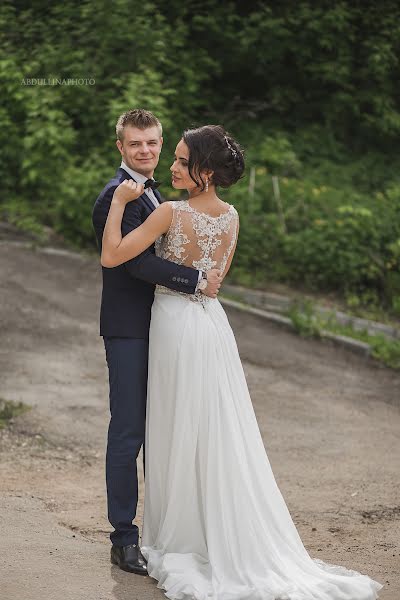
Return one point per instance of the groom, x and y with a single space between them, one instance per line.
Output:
128 293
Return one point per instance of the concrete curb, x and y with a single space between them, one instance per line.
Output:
356 346
278 303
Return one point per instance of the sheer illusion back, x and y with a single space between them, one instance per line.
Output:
198 240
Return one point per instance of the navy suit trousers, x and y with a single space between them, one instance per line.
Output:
127 360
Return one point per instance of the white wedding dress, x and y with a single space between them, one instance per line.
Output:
216 526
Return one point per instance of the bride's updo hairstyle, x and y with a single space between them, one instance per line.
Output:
211 148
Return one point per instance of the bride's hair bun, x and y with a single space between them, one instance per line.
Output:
211 148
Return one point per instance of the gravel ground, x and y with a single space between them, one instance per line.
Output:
330 421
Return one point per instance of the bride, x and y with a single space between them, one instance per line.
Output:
216 526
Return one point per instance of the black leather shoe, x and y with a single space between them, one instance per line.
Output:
129 558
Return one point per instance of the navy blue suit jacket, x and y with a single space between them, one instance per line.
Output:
128 290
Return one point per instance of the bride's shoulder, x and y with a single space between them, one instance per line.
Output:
164 209
233 216
177 204
231 209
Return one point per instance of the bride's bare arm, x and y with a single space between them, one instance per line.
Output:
116 249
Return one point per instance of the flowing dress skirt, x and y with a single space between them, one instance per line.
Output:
216 526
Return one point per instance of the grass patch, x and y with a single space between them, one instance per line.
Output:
304 319
363 306
9 410
308 323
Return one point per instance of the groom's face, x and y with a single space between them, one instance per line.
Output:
140 149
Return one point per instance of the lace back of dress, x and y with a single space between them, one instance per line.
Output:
198 240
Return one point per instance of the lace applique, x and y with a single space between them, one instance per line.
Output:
208 245
227 254
175 241
198 240
208 229
198 297
158 245
205 225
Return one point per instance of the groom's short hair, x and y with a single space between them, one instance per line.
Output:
138 117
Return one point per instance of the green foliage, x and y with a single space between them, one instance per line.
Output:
308 323
144 89
72 209
9 410
387 351
304 319
383 349
311 91
277 155
325 237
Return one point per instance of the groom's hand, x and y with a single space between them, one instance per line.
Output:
127 191
214 281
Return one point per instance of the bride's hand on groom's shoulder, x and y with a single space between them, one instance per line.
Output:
127 191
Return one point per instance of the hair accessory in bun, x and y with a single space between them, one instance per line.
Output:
233 151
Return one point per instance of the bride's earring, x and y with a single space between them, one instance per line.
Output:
206 185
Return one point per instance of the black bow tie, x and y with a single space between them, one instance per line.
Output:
151 183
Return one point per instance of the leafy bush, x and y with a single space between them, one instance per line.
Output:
321 237
311 92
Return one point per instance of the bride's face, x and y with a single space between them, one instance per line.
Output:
181 179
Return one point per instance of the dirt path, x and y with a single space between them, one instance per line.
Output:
330 421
